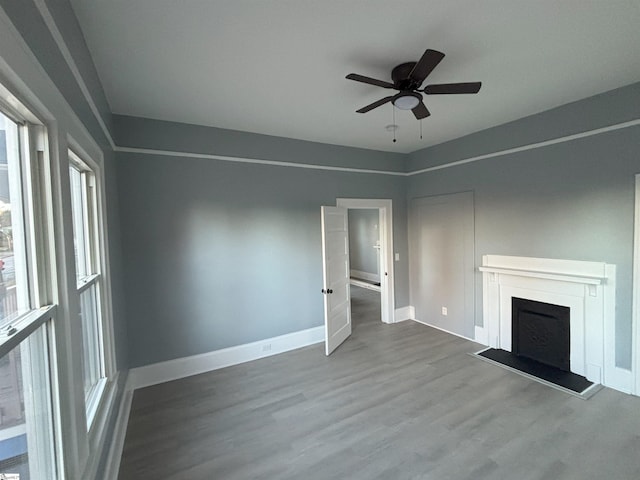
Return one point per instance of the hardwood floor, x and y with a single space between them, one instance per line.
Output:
401 401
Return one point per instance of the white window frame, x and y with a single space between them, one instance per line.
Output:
96 251
24 85
36 229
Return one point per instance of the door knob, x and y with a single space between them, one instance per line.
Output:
329 291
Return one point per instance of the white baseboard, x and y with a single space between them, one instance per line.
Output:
364 284
185 367
114 456
404 313
371 277
481 335
443 330
619 379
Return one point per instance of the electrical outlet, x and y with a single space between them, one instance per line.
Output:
445 312
266 347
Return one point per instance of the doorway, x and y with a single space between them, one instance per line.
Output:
364 248
370 212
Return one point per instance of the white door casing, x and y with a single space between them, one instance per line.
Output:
635 347
385 232
335 273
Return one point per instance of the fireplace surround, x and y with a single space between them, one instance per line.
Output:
587 289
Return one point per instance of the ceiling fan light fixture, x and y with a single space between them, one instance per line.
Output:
406 101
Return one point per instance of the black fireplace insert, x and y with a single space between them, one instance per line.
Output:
541 332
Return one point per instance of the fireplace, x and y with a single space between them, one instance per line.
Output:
585 289
541 332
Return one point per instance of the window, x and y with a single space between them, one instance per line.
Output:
27 421
89 280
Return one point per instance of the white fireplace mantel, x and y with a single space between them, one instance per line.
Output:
548 275
587 288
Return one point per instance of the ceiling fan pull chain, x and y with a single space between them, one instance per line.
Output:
420 129
393 109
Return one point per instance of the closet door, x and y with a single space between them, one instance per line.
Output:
441 243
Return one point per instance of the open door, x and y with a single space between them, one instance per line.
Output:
335 275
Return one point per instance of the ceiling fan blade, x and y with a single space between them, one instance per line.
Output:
370 81
452 88
373 105
430 59
420 111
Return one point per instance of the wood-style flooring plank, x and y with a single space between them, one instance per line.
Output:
400 401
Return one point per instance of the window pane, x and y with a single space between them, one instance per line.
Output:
13 279
92 358
79 215
26 433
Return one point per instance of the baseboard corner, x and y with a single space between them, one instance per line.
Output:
481 335
619 379
404 313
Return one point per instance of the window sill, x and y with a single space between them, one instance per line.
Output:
86 282
93 401
24 326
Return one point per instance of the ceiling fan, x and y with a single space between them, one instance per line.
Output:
407 78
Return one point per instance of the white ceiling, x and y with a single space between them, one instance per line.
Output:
277 67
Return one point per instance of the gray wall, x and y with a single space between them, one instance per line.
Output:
573 200
364 233
221 253
180 137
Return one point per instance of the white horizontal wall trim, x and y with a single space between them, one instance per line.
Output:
59 39
171 153
187 366
531 146
66 53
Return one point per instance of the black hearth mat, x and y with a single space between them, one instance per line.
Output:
568 380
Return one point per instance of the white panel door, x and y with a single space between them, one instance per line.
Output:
335 272
441 246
